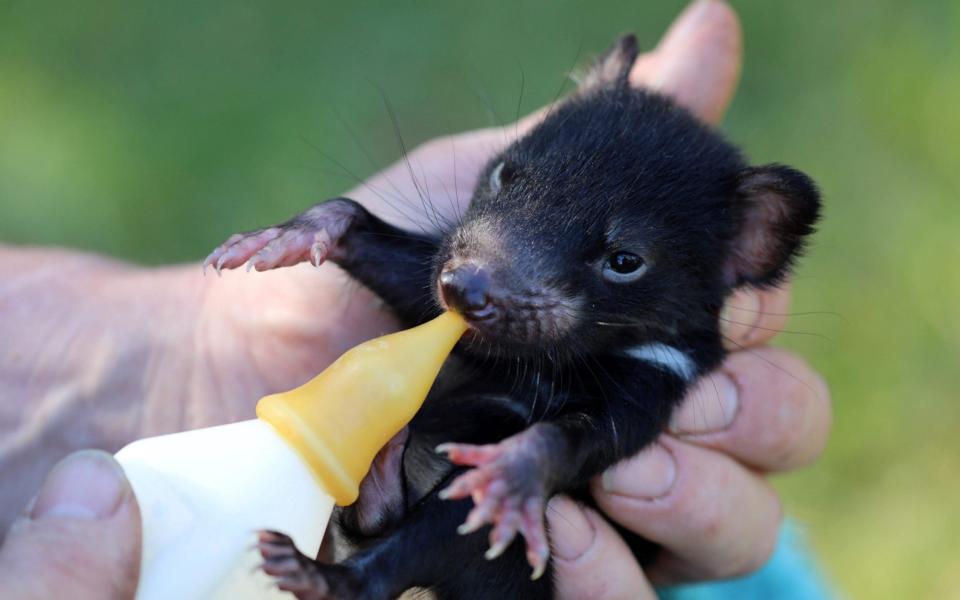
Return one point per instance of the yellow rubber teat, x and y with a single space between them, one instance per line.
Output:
341 418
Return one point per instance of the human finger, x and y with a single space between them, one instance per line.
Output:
79 537
590 559
752 317
712 517
698 60
767 408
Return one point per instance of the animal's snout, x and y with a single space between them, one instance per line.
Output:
466 289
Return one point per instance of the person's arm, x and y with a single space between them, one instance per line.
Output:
97 353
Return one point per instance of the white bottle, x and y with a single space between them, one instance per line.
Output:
203 494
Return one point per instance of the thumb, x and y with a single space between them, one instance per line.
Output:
589 558
78 538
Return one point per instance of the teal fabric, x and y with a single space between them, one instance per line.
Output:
790 574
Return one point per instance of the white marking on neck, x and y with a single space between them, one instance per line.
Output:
665 357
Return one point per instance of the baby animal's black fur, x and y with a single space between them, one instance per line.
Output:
591 266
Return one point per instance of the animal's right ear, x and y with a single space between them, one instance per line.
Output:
779 207
612 68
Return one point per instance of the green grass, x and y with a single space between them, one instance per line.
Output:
150 130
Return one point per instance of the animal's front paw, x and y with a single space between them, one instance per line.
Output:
298 574
509 491
312 235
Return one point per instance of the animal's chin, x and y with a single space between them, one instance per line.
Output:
490 336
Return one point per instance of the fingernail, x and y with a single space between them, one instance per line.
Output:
86 485
571 533
649 475
699 7
710 407
696 12
740 314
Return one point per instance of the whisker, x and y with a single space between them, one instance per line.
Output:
809 313
787 331
373 163
492 116
457 207
516 120
427 209
368 186
772 364
566 78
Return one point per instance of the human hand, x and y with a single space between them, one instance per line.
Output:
78 538
700 492
145 351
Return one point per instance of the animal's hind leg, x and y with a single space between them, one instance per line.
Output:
424 551
302 576
394 263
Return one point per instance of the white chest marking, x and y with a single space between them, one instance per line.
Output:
666 357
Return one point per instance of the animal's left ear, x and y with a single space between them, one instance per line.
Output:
612 68
779 207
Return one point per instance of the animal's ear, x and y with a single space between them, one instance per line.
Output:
779 207
612 68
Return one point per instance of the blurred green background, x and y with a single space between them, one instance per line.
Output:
149 130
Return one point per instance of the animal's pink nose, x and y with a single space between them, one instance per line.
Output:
466 289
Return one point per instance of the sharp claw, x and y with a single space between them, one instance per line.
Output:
496 550
288 583
475 520
443 448
458 488
279 567
539 563
468 528
252 263
209 259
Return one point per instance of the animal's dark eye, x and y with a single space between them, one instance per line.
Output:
624 267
